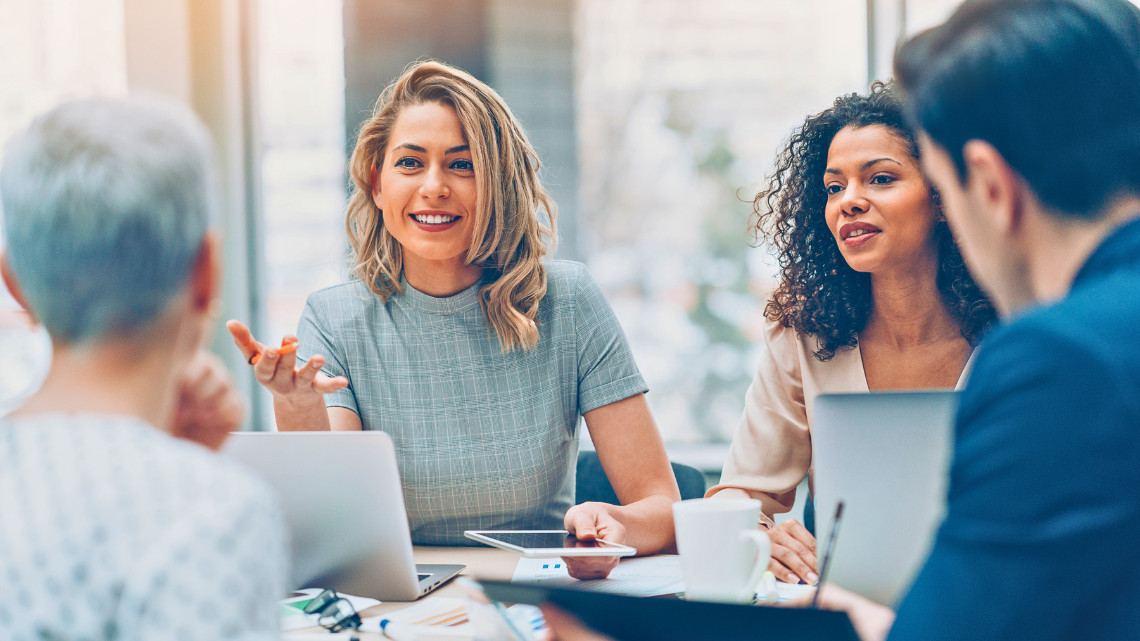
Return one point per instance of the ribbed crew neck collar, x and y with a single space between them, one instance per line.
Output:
458 302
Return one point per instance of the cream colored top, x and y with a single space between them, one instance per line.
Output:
771 449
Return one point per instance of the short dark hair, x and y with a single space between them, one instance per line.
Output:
1053 85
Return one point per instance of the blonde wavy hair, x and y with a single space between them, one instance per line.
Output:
509 237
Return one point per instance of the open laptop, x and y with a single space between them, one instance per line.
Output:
344 504
886 455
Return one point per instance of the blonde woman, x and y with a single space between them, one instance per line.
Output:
457 337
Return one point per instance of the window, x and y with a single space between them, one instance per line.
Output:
303 160
52 50
682 107
657 122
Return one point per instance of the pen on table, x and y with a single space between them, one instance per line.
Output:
287 347
506 617
827 554
475 592
396 631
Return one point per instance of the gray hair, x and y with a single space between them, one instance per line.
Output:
106 203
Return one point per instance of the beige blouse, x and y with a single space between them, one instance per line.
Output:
771 449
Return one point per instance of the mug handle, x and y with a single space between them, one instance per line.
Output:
763 554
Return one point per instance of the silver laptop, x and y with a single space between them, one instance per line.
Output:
344 504
886 455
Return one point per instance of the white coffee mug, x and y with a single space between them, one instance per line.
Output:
723 553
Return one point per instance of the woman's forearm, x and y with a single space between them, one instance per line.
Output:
307 415
648 523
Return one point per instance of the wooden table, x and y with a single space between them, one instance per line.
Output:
481 562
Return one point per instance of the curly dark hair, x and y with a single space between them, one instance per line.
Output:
818 292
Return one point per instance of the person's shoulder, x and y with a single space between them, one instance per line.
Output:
138 504
564 278
206 474
100 445
216 472
1106 308
774 330
352 292
1082 347
1020 344
785 342
342 304
217 495
1094 322
570 285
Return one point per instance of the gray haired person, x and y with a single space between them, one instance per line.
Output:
119 521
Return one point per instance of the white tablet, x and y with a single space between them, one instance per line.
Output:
547 543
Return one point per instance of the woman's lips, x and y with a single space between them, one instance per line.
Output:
432 221
861 238
856 234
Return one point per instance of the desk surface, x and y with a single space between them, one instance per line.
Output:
481 562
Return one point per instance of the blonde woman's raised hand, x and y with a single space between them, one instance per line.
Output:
276 368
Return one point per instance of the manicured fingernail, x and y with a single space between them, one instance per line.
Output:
271 353
812 578
314 365
793 578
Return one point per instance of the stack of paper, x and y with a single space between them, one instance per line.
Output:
646 576
437 617
643 576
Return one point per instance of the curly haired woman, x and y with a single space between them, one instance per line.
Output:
872 295
457 336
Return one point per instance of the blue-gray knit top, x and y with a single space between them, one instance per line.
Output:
484 439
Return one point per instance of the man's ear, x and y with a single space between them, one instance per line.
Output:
13 285
994 186
206 273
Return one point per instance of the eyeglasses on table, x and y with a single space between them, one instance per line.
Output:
333 611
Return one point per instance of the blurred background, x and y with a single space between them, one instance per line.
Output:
657 121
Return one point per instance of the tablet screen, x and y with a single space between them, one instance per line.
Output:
542 540
544 543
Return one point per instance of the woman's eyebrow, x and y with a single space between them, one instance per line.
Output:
864 166
869 163
414 147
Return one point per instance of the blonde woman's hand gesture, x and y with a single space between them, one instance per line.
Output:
298 390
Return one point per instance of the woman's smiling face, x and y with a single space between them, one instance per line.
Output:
879 205
425 185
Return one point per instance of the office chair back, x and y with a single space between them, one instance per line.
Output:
593 485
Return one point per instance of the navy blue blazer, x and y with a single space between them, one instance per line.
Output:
1042 532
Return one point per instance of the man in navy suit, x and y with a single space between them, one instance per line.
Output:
1030 119
1029 112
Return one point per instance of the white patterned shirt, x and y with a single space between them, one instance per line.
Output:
112 529
484 440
